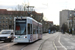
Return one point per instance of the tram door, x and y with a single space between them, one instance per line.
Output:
30 32
29 28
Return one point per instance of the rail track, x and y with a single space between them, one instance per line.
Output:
42 44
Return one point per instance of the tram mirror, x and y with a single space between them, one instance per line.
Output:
11 33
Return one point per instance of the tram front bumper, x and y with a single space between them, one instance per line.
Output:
21 40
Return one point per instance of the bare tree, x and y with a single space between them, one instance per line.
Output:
20 9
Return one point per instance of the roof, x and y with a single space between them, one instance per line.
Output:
4 11
49 21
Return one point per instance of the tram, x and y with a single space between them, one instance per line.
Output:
27 30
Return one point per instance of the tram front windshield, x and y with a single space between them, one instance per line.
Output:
20 27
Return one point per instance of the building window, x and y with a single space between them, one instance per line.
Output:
3 25
0 21
10 17
10 21
10 26
6 21
6 25
6 18
3 17
3 21
0 17
0 25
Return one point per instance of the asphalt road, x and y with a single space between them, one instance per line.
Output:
68 41
55 41
33 46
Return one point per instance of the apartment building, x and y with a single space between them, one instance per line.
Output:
67 17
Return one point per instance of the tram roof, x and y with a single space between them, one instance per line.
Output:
28 18
40 23
32 19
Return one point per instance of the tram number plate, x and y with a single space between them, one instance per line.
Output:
16 38
19 39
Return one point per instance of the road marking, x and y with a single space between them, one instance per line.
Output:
54 46
41 45
61 44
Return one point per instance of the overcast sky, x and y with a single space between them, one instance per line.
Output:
50 8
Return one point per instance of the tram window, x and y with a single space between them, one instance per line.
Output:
34 29
20 28
41 30
31 28
17 27
28 28
37 29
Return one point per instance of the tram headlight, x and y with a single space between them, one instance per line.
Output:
25 36
8 37
15 37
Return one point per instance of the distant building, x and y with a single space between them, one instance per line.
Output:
7 17
66 17
47 25
63 16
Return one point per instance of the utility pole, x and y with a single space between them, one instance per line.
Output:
29 8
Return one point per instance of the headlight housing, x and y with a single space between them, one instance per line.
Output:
8 37
15 36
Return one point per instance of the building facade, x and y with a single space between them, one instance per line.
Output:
7 17
63 17
67 17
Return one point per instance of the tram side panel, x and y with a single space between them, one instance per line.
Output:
40 32
35 34
37 31
29 30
